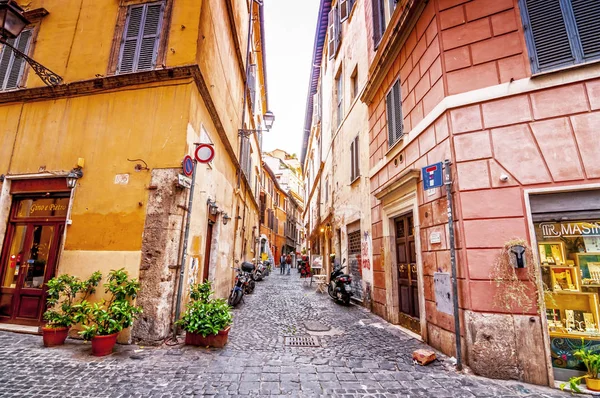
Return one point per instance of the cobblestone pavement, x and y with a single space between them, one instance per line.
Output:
361 355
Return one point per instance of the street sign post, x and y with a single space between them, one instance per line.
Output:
433 176
188 165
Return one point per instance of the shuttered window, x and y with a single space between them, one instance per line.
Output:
139 46
394 114
560 33
11 66
339 95
378 20
252 86
354 166
344 10
333 32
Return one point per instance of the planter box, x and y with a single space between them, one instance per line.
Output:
212 340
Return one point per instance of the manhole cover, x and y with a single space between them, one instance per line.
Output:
301 341
315 326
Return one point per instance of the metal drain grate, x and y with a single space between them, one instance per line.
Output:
301 341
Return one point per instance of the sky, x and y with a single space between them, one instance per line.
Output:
290 32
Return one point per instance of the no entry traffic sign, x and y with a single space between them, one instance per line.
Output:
188 165
205 153
432 176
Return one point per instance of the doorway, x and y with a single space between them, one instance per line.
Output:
406 262
29 256
207 249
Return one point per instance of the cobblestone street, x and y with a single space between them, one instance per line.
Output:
361 355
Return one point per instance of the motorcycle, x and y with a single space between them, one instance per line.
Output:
237 293
250 284
267 265
339 287
259 272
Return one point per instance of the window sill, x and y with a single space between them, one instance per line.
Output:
396 145
353 182
565 69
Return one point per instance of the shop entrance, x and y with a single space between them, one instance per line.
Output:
29 256
406 261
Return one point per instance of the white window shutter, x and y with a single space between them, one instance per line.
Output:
331 33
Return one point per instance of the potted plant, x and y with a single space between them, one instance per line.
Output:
591 360
206 321
103 321
63 305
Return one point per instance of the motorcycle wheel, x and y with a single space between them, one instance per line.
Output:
330 291
251 286
346 299
235 298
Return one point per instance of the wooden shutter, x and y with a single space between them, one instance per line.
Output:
551 46
252 86
394 114
337 25
139 46
344 10
331 33
378 21
587 18
11 66
353 172
356 166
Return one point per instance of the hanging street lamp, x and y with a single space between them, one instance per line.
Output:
12 23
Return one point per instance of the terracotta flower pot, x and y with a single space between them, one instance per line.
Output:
212 340
103 345
592 384
54 336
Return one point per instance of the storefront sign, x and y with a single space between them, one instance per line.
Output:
570 229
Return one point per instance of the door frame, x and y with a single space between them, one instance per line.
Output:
398 198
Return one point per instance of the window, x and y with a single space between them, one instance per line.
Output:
140 42
354 244
382 13
345 9
252 87
393 103
326 190
333 32
354 83
354 166
11 67
561 33
246 157
339 95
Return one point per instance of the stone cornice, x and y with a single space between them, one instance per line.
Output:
403 20
395 183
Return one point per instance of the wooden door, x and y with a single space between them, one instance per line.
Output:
28 263
209 236
406 262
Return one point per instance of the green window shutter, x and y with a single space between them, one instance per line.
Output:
11 66
139 46
587 19
550 46
394 114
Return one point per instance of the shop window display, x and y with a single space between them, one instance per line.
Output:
569 255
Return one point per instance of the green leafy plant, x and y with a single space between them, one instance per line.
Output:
203 315
591 360
112 315
65 293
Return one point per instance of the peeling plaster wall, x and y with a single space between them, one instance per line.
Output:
160 256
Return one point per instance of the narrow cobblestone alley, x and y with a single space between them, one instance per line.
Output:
361 355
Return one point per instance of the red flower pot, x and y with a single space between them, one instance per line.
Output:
212 340
54 336
103 345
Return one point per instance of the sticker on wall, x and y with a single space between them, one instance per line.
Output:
365 250
122 179
193 269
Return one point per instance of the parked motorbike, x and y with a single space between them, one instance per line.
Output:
237 293
249 285
267 265
339 287
259 272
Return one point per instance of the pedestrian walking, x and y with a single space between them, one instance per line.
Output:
282 264
288 263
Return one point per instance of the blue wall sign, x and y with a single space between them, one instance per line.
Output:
188 165
433 176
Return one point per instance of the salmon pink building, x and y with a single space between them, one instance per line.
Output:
509 92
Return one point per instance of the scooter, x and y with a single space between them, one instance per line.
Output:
259 272
339 287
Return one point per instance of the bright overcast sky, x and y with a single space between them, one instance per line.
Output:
290 32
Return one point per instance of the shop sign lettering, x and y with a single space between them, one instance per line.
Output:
569 229
49 207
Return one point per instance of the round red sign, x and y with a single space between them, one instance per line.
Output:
205 153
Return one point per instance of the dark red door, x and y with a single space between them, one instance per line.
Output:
406 261
209 234
29 256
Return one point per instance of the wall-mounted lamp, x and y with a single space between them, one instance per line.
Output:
73 176
212 207
226 219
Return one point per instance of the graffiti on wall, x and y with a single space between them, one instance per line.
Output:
365 251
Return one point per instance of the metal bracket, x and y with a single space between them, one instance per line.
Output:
48 77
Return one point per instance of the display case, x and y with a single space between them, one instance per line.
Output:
552 253
589 264
572 314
